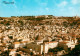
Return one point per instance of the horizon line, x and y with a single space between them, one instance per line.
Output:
36 15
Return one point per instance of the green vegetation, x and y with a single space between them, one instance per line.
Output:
75 51
31 53
36 37
65 24
21 22
7 23
36 19
11 37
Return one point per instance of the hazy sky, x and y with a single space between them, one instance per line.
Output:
40 7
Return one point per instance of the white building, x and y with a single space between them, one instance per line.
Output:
12 52
67 44
16 44
48 45
43 47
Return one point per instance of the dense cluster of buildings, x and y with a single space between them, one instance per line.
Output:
30 39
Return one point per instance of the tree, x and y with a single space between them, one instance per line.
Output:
11 37
31 53
7 23
21 22
50 50
18 54
65 24
53 39
75 51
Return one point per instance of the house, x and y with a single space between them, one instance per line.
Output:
65 44
35 47
42 47
12 52
16 44
53 44
48 45
23 43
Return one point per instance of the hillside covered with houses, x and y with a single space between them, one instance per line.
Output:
39 35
